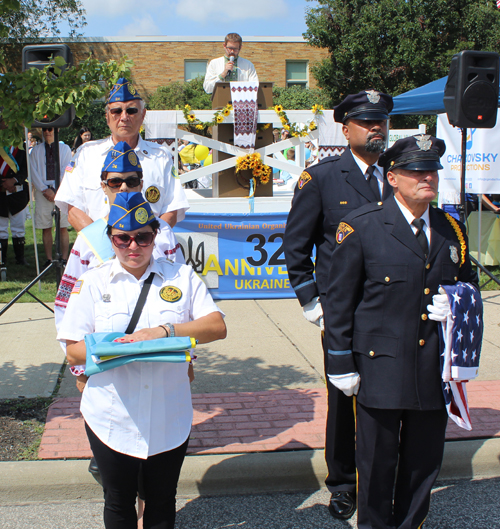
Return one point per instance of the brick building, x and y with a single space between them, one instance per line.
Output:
160 60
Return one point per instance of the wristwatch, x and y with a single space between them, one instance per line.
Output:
171 330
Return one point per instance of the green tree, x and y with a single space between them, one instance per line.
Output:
177 94
94 118
395 45
25 21
298 98
36 94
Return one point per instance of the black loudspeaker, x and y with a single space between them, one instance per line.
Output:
471 92
40 56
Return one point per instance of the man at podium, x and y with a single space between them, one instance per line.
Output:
230 67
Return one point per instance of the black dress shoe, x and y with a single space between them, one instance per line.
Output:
342 505
94 470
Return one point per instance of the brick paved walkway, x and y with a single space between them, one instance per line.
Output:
256 422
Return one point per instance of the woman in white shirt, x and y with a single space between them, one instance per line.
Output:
139 414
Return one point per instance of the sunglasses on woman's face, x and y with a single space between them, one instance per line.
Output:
123 240
117 111
115 183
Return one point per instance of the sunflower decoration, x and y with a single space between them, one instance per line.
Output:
317 109
195 123
295 129
253 162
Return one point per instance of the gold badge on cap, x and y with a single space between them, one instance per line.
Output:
132 158
343 231
424 142
373 96
131 89
170 294
152 194
454 254
304 178
141 216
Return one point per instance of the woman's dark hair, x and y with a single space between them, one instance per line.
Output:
78 140
155 226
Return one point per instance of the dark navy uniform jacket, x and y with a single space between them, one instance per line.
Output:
15 202
325 194
376 306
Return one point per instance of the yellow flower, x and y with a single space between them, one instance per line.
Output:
229 107
266 126
312 126
220 118
264 179
278 108
191 117
257 171
226 112
200 126
286 127
187 107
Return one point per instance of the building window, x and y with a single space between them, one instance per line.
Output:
297 73
194 69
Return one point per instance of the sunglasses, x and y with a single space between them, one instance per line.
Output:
123 240
117 111
48 129
116 183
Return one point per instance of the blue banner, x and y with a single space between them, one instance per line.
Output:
237 256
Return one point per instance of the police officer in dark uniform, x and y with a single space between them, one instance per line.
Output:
14 197
325 193
390 260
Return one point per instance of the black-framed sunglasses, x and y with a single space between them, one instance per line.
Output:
123 240
118 110
116 183
48 129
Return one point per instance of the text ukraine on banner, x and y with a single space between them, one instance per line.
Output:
237 256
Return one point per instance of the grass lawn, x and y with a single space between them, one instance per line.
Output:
19 276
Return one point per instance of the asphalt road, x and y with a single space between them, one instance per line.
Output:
455 505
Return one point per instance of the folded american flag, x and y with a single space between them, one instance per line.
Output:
461 335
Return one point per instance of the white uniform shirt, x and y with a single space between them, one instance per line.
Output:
38 166
246 72
81 186
82 258
144 408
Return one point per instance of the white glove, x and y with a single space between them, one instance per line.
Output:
440 307
313 312
348 383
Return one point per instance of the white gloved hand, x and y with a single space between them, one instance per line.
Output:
348 383
313 312
440 307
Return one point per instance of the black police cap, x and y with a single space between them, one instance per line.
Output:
367 105
415 153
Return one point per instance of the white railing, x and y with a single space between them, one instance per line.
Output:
264 116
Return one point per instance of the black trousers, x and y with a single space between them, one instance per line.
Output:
119 474
398 457
340 437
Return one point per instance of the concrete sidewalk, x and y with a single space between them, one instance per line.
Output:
259 404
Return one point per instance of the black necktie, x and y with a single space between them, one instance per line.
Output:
373 181
421 237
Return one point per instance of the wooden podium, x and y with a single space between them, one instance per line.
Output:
224 183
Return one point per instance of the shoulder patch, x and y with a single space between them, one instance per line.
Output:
304 178
78 287
343 231
152 194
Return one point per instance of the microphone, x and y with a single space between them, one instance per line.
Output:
231 59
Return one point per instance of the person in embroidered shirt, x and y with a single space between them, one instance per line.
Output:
138 416
230 67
